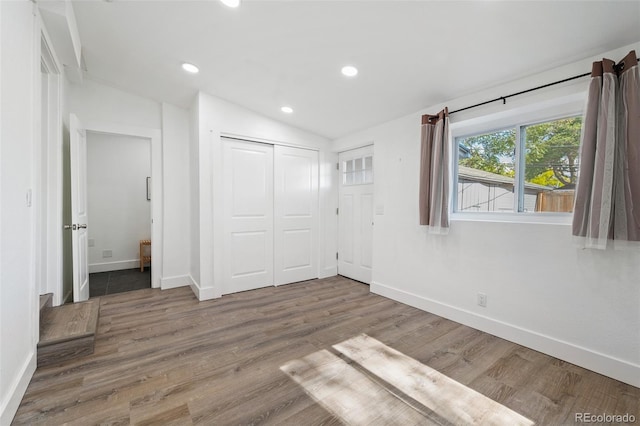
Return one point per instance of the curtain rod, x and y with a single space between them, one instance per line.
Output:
504 98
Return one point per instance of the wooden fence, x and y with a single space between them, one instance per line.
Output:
555 201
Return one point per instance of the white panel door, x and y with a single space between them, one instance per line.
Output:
78 148
296 214
355 214
248 213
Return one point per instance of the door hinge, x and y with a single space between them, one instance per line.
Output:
336 255
337 210
337 166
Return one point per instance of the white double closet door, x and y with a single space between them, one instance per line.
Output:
270 215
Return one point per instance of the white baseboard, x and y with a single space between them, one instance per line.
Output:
195 288
175 282
11 400
114 266
618 369
202 293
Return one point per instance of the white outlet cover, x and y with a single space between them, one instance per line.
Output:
482 300
107 253
91 242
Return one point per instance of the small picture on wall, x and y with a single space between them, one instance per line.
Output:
148 188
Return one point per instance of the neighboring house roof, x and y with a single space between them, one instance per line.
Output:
471 174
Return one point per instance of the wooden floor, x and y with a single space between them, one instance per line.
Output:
162 357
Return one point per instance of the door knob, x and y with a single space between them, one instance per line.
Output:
68 226
83 226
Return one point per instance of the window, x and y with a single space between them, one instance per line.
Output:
521 168
357 171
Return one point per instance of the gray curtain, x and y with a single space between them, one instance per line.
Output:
607 202
434 172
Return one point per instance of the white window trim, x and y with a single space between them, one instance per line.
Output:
513 217
550 110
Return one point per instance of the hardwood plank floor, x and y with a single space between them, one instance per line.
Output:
162 357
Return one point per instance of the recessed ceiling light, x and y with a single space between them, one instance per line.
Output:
231 3
190 68
350 71
286 109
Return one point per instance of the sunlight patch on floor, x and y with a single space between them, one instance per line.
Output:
347 393
356 399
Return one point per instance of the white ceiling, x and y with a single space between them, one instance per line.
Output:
410 54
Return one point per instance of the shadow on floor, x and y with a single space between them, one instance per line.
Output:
103 283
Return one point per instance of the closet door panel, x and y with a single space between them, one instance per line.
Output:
248 207
296 214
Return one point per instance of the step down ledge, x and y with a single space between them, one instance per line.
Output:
64 339
68 332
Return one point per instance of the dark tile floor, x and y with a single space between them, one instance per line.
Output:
103 283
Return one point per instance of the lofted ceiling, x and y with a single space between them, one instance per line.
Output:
410 54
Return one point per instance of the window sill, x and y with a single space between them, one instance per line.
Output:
527 218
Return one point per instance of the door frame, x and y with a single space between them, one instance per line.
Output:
154 135
48 151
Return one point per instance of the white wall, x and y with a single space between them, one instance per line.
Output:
119 212
216 118
92 101
543 292
177 214
19 68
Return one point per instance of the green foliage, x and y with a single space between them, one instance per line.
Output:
493 152
551 152
553 147
546 178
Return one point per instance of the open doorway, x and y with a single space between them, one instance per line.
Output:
119 212
76 203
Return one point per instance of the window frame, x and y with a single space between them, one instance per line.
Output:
517 118
355 172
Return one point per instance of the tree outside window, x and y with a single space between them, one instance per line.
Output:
548 160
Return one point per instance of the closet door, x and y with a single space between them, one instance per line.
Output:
248 207
296 214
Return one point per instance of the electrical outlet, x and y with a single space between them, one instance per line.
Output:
482 300
107 253
91 242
